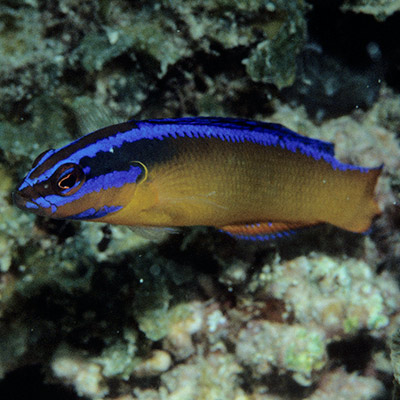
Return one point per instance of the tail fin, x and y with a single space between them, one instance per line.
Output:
367 207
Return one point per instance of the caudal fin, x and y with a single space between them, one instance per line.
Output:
365 204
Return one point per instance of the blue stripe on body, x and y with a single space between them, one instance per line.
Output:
114 179
29 182
92 213
31 205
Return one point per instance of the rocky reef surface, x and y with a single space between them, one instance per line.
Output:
98 312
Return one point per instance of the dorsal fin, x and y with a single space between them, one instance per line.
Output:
256 131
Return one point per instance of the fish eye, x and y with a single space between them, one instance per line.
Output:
68 179
39 157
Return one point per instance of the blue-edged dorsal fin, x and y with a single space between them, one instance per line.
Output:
265 230
238 129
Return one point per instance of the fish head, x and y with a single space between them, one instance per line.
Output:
75 184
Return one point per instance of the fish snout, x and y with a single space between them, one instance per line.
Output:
27 204
19 200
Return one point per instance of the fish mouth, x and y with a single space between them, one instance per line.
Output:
27 204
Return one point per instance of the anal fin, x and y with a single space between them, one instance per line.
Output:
265 230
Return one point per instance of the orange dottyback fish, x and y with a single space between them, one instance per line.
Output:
251 179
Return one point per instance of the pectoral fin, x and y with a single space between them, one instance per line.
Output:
153 233
265 230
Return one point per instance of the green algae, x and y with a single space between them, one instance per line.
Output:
119 359
380 9
394 343
154 316
213 377
96 49
37 58
342 294
264 346
154 323
305 354
274 59
30 64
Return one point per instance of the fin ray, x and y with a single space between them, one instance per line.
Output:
265 230
154 233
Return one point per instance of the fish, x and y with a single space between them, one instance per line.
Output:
251 179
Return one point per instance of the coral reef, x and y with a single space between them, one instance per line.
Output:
394 355
108 314
338 384
380 9
264 346
328 87
342 296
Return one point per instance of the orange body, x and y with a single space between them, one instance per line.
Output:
212 182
